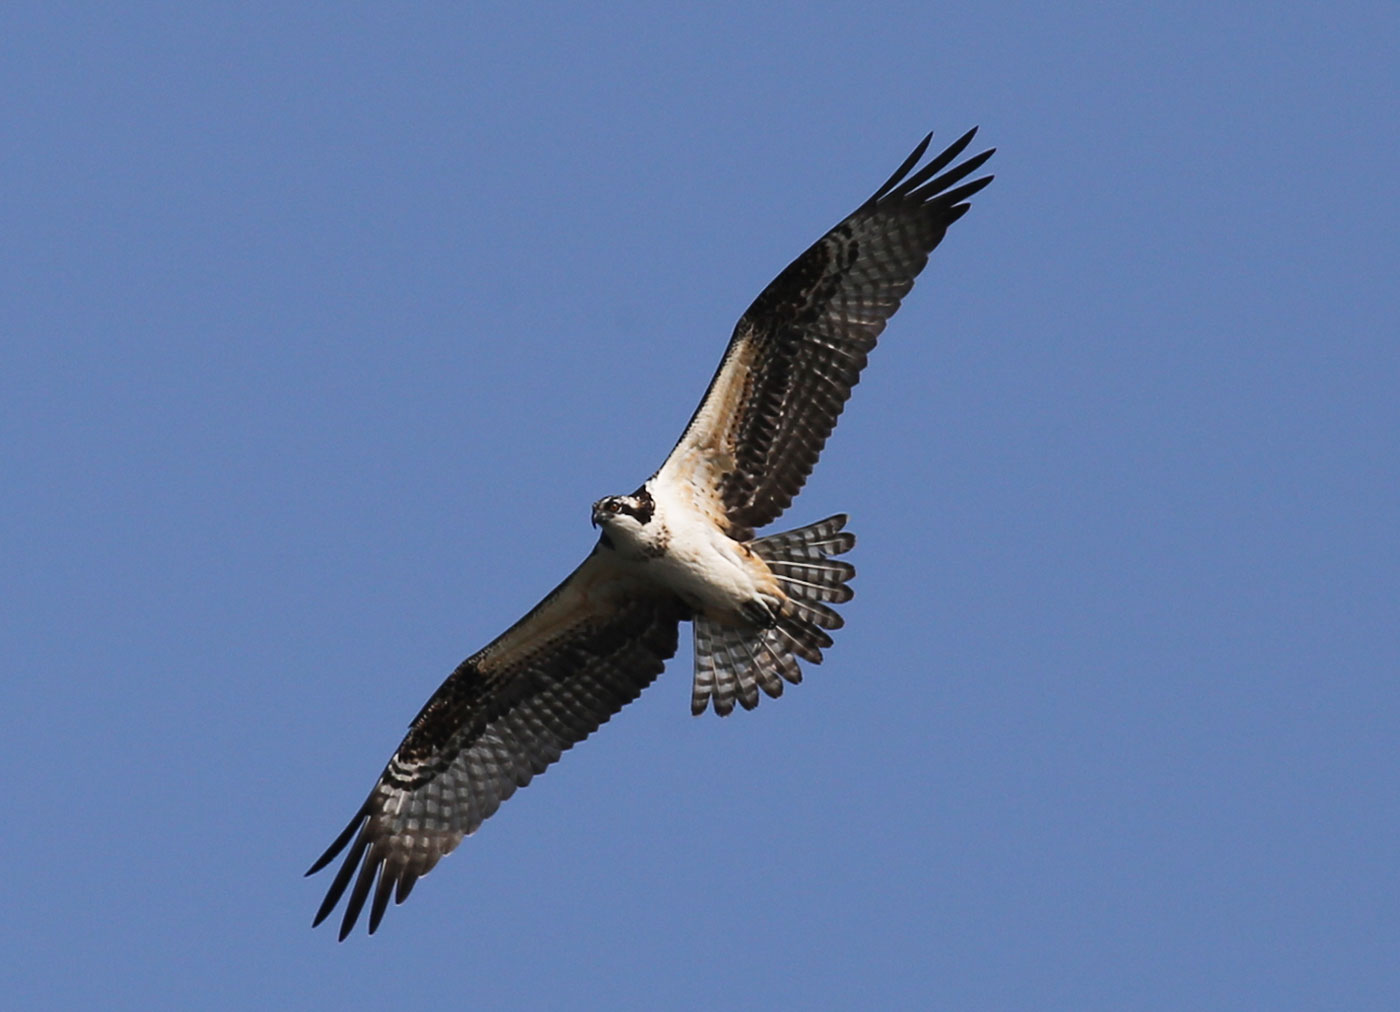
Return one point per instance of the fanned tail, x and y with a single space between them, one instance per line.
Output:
733 662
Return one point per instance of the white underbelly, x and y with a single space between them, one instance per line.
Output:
714 574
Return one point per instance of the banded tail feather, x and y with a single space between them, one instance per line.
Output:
732 663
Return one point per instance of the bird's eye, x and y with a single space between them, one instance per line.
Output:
614 505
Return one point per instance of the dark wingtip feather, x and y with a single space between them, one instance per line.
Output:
903 169
966 190
340 843
363 882
387 877
342 879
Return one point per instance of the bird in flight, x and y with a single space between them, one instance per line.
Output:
682 547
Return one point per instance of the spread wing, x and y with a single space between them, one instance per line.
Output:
799 349
505 714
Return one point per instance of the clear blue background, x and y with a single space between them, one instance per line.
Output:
323 324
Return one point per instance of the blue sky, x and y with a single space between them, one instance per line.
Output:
321 326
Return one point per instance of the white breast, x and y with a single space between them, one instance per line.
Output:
709 570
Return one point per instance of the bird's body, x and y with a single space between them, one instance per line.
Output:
681 547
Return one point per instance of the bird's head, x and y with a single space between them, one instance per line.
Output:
624 512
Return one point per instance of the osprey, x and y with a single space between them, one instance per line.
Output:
679 548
